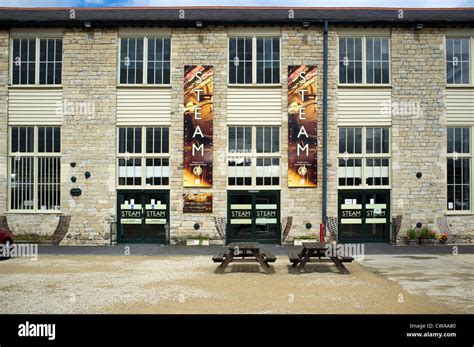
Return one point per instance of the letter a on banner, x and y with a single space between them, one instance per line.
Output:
198 132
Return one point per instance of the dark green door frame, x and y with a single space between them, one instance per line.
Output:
254 194
342 194
143 193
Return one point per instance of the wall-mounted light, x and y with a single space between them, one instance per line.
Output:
76 192
305 24
87 25
419 26
199 24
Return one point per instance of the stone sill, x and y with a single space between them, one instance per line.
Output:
459 214
36 213
459 86
355 86
34 86
145 86
259 85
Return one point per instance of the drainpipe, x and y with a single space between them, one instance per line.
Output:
325 126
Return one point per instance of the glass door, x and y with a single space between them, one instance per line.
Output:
364 216
254 216
156 216
240 225
377 221
351 216
267 216
142 216
130 216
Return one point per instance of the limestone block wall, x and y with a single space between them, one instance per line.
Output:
89 140
418 140
302 46
193 46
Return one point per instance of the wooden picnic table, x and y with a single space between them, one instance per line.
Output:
243 252
312 250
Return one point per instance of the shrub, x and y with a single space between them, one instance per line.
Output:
411 234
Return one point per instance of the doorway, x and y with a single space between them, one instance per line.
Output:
253 216
364 216
143 216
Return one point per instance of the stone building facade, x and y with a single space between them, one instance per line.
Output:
372 195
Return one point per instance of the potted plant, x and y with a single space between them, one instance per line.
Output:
298 240
443 238
412 236
427 236
197 240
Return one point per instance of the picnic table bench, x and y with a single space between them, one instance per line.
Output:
318 250
243 252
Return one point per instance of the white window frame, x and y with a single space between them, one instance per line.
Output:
35 155
37 37
364 156
460 35
145 38
143 156
254 59
253 155
364 59
470 156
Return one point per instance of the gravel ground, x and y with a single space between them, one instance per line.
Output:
144 284
447 278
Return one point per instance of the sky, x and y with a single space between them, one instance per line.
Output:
295 3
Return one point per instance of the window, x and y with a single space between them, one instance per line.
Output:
457 60
254 156
143 156
35 168
459 169
36 61
364 157
364 60
145 60
254 60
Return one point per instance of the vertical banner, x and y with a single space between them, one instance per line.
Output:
198 114
302 126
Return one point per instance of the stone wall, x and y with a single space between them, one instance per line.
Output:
305 204
418 140
198 47
89 140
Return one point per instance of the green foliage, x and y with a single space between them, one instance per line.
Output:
412 234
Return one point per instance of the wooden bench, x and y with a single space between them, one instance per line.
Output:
219 257
294 257
269 257
347 259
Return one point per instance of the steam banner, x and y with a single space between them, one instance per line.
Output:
302 127
198 114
